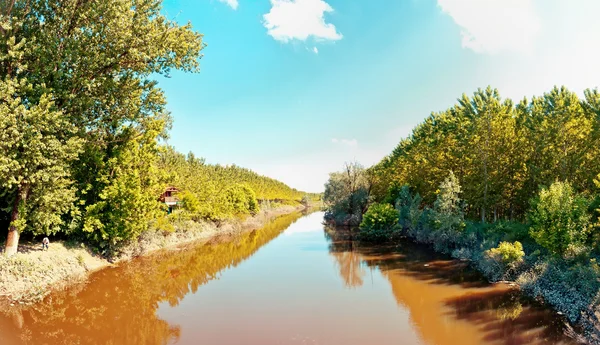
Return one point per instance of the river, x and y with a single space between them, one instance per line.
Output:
292 282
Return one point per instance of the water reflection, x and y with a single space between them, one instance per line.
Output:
348 261
448 302
119 305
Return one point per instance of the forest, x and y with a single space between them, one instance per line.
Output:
512 187
82 120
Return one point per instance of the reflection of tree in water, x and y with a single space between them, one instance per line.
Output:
119 305
448 301
341 248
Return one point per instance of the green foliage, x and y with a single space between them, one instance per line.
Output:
189 202
84 72
500 150
36 147
559 219
508 253
379 223
222 192
396 191
346 195
448 211
380 217
242 200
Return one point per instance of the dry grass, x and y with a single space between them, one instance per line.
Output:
28 275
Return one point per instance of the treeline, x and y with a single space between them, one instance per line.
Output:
217 192
513 188
501 152
81 116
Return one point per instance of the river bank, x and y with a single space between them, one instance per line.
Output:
32 273
565 288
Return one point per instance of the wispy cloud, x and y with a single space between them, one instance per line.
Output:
315 50
231 3
290 20
493 26
346 142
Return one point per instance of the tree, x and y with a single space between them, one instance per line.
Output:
36 148
559 219
96 60
347 193
448 208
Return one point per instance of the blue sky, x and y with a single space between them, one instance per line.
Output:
294 88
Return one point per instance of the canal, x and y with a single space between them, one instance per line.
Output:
292 282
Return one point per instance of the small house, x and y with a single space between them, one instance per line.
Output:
169 197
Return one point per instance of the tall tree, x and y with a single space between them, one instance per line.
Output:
36 148
96 59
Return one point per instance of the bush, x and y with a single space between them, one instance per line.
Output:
559 219
501 262
508 253
379 223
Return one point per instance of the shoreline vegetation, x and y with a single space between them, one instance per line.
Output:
83 133
514 188
32 274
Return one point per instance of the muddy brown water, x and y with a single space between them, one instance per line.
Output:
292 282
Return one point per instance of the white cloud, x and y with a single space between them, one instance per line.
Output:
315 50
290 20
346 142
231 3
493 26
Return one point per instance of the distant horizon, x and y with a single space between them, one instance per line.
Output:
293 89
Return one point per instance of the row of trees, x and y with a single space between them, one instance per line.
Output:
81 116
502 152
218 192
515 189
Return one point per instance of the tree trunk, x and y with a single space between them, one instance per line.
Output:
12 241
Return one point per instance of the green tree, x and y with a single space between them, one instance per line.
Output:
559 219
97 60
346 194
448 208
36 148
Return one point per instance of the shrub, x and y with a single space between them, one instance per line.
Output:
559 219
508 253
502 261
379 223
